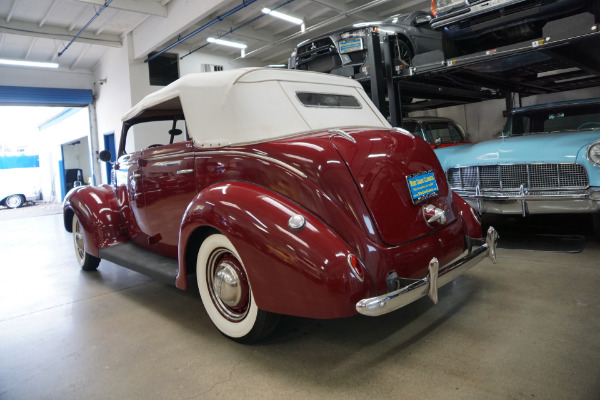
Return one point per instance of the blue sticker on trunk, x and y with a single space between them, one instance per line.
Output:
422 186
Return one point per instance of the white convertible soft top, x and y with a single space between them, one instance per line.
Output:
257 104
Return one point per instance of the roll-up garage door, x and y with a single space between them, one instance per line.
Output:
35 96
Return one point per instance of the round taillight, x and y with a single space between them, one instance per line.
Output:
356 267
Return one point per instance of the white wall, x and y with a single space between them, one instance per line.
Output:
76 127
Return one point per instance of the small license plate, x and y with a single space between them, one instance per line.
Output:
422 186
347 46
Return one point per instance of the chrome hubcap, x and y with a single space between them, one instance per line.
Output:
13 201
78 239
228 285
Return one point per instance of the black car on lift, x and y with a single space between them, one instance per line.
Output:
470 26
344 51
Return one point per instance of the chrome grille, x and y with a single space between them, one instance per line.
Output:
511 177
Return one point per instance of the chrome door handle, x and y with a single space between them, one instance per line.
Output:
184 171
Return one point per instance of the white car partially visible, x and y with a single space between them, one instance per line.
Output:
19 185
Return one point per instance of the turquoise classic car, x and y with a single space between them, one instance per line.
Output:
547 161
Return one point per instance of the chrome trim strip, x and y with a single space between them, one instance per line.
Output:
428 286
342 134
167 156
260 157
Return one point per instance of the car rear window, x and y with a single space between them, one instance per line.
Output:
310 99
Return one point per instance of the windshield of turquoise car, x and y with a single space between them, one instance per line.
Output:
546 121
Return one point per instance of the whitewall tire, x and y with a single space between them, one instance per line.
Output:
86 261
227 294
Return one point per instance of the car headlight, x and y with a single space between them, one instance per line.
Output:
442 6
358 32
593 154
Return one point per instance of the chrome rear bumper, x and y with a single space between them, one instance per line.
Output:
429 285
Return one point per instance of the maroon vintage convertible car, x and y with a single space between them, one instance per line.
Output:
279 192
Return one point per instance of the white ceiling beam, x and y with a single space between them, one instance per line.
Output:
80 17
143 7
43 21
30 48
58 33
127 32
10 12
107 21
83 52
342 7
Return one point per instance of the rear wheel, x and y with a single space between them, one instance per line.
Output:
226 292
14 201
87 261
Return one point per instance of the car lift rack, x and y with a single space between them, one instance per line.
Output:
565 58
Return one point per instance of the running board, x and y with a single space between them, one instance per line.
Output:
140 260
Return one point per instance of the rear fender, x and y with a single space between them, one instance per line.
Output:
98 213
301 272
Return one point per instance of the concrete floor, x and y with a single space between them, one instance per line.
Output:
526 328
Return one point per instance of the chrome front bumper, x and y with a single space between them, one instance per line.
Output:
526 203
429 285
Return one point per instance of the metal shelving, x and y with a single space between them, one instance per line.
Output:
565 58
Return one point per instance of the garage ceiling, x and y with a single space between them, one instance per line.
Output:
38 30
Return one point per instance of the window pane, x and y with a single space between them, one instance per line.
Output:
309 99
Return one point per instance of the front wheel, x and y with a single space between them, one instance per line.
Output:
87 261
226 292
14 201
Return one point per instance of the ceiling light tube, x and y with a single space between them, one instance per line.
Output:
283 16
23 63
226 43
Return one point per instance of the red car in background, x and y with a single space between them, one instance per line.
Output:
438 132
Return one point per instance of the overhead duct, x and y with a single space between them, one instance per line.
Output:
203 27
85 27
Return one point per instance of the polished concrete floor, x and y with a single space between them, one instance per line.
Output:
525 328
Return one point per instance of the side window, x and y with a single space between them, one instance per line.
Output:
414 128
448 133
155 134
455 134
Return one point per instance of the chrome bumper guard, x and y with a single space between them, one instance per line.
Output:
435 279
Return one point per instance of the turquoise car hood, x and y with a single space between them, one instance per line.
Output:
537 148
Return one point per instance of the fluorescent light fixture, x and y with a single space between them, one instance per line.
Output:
277 66
226 43
23 63
284 17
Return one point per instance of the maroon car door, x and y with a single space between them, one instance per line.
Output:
130 196
169 185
